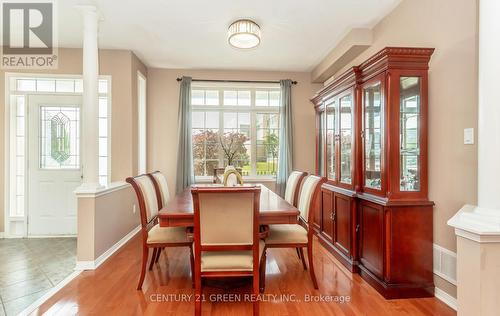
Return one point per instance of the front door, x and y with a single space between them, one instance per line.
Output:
54 164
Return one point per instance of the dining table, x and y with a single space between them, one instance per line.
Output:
273 209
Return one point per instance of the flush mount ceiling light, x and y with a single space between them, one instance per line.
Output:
244 34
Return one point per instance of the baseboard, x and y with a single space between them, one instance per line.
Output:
92 265
30 309
1 235
446 298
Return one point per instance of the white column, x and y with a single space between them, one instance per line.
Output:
90 131
489 105
478 227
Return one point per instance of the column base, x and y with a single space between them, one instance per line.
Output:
478 254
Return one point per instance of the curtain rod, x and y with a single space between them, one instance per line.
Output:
239 81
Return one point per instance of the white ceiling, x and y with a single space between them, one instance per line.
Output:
296 34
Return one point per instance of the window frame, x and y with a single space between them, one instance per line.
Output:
252 109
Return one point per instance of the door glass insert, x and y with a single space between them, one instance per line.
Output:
59 137
409 132
331 132
372 135
345 139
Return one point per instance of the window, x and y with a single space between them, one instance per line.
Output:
141 126
237 126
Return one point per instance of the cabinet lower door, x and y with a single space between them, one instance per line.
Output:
371 243
327 222
342 223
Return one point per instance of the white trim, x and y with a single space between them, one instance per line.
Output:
52 236
142 123
31 308
476 223
92 265
1 235
112 187
446 298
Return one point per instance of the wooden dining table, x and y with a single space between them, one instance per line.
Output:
273 209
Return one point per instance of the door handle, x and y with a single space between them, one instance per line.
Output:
357 228
332 216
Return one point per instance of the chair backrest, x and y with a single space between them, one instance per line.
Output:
293 186
226 219
160 182
309 191
147 198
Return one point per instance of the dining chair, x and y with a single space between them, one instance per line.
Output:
299 235
226 236
154 236
293 184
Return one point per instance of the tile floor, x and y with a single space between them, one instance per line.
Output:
31 267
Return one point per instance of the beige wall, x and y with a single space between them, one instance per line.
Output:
105 220
122 65
450 26
163 95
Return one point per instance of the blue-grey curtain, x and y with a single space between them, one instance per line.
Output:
285 159
185 174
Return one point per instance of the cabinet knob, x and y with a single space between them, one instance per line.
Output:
332 216
357 228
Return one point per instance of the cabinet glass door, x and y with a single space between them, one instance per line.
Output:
345 139
409 133
321 144
331 131
372 98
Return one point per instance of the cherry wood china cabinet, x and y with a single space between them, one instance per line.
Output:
374 214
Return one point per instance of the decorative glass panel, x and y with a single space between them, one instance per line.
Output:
59 137
345 139
409 133
331 132
373 135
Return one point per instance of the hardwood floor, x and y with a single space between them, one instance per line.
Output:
110 290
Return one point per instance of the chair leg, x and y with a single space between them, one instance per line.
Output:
256 292
191 257
145 253
158 253
311 265
153 257
300 250
197 296
262 272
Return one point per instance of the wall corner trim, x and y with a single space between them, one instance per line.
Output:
92 265
446 298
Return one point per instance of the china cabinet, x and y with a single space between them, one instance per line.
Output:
374 213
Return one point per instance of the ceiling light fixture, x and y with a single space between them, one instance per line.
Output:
244 34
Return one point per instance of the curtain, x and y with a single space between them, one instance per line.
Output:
285 162
185 174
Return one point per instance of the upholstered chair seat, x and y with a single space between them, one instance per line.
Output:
229 260
160 235
152 194
295 235
286 234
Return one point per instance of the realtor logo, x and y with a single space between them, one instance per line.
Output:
28 31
